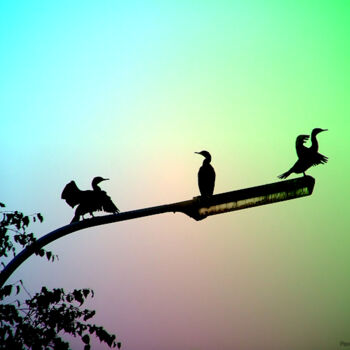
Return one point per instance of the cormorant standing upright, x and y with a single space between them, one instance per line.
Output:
307 156
88 201
206 175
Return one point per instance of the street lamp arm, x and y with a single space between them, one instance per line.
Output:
77 226
197 208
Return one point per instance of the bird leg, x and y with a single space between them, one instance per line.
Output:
202 201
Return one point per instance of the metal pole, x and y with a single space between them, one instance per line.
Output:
197 208
76 226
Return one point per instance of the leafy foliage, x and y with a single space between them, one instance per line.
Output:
13 225
38 322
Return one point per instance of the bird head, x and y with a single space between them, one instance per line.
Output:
97 180
301 139
205 154
317 131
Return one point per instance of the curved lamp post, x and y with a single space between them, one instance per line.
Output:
197 208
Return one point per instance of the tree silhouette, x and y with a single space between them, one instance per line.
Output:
38 322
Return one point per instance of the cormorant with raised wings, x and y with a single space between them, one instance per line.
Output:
206 175
88 201
308 156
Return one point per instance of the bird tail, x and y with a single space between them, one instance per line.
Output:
285 175
75 218
77 214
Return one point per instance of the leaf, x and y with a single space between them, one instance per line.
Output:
2 205
86 339
25 221
56 297
119 345
40 217
110 339
87 347
78 296
48 255
18 289
6 291
89 314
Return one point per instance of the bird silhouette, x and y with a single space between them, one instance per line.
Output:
88 201
307 156
206 175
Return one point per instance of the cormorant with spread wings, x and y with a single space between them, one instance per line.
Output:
308 156
88 201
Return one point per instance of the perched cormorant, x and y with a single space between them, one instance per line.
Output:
308 156
206 176
88 201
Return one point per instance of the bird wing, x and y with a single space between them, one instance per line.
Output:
206 180
301 149
211 181
202 181
107 204
318 158
71 194
311 157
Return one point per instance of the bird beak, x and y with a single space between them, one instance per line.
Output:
197 152
105 179
324 129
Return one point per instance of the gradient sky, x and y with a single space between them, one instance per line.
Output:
129 90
